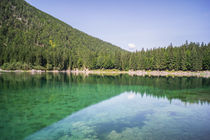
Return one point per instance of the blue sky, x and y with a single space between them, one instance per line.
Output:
135 24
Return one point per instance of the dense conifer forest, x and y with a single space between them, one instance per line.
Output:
32 39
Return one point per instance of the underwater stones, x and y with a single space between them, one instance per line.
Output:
81 130
128 133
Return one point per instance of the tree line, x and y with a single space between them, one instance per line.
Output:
192 56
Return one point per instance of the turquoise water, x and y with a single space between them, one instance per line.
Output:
62 106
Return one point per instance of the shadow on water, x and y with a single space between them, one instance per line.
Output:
31 102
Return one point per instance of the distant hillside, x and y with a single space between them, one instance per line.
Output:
32 39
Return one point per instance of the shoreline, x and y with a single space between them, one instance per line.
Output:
205 74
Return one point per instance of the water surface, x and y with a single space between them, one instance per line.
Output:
61 106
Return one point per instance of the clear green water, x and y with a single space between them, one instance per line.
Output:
61 107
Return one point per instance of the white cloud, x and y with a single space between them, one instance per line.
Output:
131 96
131 46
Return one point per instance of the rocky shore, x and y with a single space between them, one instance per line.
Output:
144 73
171 73
130 72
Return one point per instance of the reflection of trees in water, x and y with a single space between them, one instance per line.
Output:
187 89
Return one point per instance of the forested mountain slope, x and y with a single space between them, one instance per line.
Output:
32 39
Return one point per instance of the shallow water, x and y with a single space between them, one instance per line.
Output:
61 106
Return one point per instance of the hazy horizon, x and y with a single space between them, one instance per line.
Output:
133 25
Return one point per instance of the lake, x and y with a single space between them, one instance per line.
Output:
61 106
